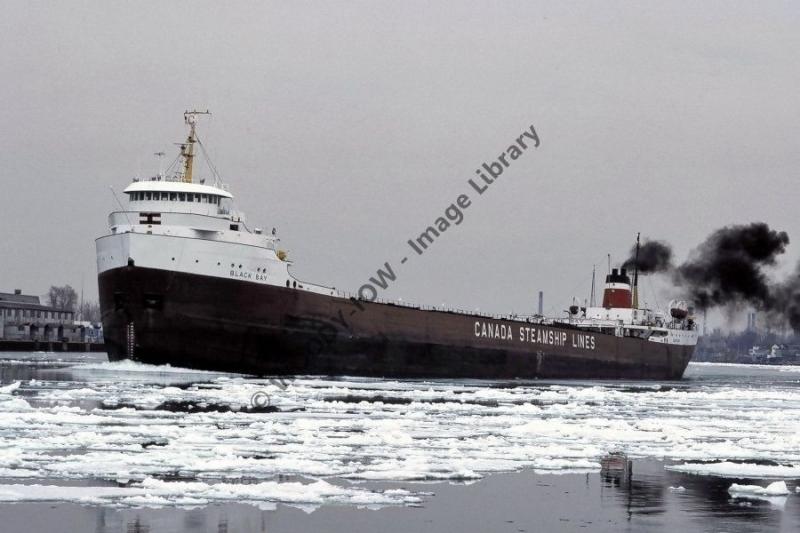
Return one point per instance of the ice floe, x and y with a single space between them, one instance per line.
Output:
133 366
738 470
750 367
776 488
8 389
126 423
775 493
156 493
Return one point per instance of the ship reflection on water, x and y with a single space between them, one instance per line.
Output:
651 496
616 469
642 494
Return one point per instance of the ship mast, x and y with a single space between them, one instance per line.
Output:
187 148
636 275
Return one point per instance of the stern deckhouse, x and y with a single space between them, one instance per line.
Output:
621 315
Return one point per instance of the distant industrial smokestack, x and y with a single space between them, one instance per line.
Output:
541 303
751 321
705 320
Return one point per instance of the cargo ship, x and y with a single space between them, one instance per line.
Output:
185 281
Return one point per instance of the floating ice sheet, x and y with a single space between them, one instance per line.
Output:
738 470
777 488
775 493
133 366
750 367
156 493
8 389
127 422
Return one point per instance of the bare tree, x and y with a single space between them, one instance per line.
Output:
63 298
90 312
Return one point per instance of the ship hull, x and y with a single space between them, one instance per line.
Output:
205 322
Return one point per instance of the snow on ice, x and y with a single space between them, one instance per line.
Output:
135 425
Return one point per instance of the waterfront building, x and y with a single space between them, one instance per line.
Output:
24 317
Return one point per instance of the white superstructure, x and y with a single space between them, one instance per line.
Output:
621 315
172 223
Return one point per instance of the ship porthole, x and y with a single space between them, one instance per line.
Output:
287 283
294 284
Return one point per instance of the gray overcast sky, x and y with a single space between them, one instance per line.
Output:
350 126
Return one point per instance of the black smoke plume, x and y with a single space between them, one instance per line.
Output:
728 268
654 256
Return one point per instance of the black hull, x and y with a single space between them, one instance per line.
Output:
163 317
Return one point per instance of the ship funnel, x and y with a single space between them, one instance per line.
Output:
617 291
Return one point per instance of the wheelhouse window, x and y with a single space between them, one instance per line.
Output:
165 196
